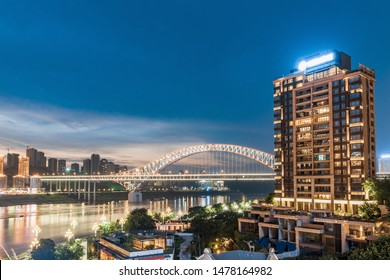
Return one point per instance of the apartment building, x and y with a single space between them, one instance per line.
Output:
324 134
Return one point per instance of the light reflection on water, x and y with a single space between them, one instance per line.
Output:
17 222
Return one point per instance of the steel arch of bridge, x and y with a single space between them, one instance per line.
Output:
163 162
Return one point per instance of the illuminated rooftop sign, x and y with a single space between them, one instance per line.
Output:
307 64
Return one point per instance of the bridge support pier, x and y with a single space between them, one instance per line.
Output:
79 190
94 192
85 190
89 191
135 197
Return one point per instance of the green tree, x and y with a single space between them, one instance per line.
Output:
108 228
377 250
71 250
369 211
139 219
270 198
45 250
370 187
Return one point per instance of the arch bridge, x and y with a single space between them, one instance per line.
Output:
132 179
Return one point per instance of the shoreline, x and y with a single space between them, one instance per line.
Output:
60 198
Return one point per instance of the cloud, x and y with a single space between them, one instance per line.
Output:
75 134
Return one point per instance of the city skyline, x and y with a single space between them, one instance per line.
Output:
98 84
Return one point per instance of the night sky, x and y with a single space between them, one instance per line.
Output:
133 80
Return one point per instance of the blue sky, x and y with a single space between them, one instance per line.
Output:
134 79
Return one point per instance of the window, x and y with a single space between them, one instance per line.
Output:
356 129
354 95
356 137
355 86
354 103
355 120
358 146
355 112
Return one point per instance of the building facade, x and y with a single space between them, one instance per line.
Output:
86 166
53 165
24 166
317 231
95 164
1 165
62 166
75 167
324 134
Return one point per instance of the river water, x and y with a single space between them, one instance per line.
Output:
17 222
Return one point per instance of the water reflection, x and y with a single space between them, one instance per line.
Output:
17 222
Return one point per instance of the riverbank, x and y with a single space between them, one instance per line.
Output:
58 198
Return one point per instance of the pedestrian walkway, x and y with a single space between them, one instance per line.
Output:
188 237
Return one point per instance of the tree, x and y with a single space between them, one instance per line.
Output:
378 250
44 251
370 187
109 227
139 219
270 198
71 250
369 211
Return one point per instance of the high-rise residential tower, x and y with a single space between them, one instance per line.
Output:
62 166
53 165
95 164
24 166
87 166
1 165
324 133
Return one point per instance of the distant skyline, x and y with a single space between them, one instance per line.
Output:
133 81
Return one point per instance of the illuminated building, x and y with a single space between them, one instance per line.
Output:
53 165
3 178
324 134
317 231
24 166
1 165
146 245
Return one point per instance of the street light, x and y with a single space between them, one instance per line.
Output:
180 213
163 216
122 222
36 230
34 243
69 234
95 227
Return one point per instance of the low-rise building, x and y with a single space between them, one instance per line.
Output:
175 225
317 231
141 245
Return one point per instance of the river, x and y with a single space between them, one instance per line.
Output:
17 222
